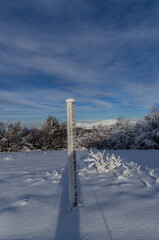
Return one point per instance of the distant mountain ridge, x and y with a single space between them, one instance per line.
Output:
107 122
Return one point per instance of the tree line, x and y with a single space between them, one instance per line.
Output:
124 134
51 136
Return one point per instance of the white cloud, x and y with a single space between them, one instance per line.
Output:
86 60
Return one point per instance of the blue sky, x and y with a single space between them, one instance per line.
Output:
103 53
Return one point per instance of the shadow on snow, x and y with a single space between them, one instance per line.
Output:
68 223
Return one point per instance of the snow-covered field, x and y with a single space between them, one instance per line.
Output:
118 205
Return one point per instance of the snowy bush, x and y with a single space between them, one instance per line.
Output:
103 163
109 163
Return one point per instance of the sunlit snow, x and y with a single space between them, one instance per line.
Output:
120 204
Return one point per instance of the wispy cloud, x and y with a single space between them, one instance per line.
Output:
103 55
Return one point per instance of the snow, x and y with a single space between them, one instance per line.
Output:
120 204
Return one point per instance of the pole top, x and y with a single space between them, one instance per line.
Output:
70 100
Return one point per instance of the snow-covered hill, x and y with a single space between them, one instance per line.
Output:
107 122
121 205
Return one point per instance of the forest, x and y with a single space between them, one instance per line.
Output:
52 135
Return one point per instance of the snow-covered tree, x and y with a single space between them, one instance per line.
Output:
147 130
120 135
53 134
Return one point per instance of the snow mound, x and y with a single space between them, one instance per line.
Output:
55 176
42 178
9 158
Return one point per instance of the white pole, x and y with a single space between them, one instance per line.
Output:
71 153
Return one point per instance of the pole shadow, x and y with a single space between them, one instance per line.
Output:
68 224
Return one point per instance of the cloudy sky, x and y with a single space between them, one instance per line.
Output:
103 53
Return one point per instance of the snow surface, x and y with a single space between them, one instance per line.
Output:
118 205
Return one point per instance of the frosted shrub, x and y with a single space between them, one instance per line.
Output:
103 163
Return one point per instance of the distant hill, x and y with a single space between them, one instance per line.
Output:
107 122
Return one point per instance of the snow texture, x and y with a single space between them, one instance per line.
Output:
118 204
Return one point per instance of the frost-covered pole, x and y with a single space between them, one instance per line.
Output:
71 152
